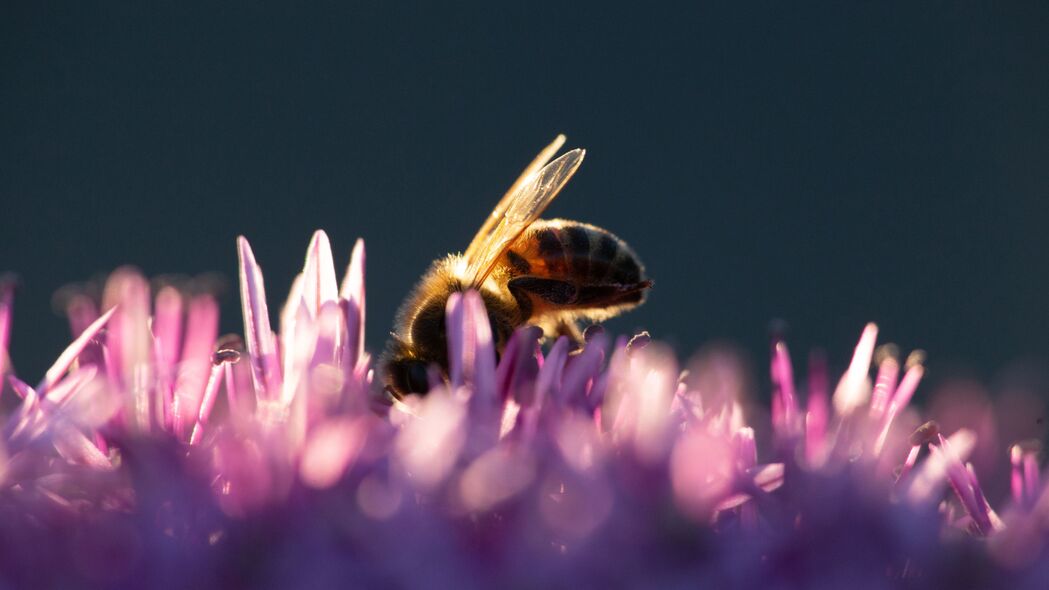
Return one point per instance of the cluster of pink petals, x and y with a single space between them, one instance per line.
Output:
153 450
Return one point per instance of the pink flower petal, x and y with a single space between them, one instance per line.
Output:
167 342
901 398
884 386
519 369
299 345
352 290
786 422
127 336
580 371
471 353
72 351
319 285
262 349
816 414
331 450
167 330
930 476
7 297
77 448
195 366
548 382
20 420
211 390
69 386
853 389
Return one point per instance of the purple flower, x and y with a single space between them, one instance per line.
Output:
154 453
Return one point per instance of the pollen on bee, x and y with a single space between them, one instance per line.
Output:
459 266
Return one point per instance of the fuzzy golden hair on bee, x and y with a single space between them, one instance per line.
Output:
550 273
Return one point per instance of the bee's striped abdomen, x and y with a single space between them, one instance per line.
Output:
574 252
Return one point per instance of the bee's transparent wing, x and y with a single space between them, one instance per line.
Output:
496 215
523 205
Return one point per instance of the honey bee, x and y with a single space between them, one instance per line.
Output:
550 273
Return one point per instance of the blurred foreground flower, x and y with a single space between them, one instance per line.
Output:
154 454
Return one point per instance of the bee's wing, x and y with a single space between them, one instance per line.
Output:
523 205
496 215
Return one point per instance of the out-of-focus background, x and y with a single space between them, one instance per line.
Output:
827 164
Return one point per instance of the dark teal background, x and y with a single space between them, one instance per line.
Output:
827 163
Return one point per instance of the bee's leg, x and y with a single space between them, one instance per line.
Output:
552 291
586 296
567 326
569 296
609 294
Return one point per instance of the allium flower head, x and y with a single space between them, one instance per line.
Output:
155 453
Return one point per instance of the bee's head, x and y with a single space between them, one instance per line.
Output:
406 375
419 344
